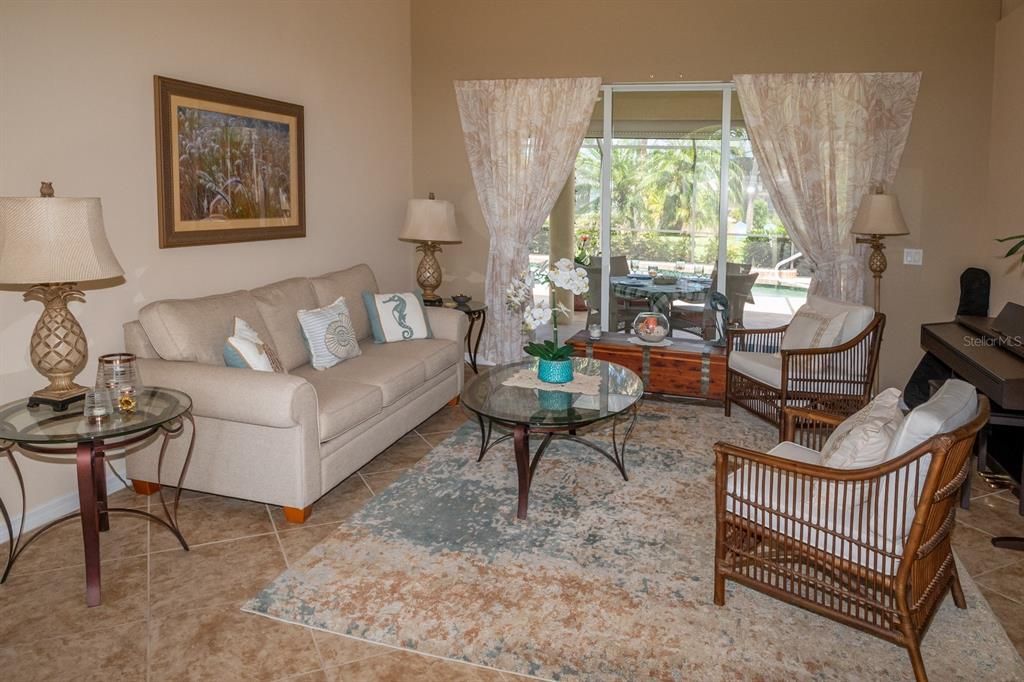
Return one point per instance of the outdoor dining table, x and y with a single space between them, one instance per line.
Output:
688 288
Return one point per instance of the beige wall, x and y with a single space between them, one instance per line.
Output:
941 184
1006 190
76 107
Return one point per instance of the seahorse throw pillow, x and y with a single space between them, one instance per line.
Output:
328 334
396 317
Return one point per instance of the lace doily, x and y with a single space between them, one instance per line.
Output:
581 383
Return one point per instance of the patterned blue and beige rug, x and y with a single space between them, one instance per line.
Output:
607 580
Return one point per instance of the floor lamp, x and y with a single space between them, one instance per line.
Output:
879 217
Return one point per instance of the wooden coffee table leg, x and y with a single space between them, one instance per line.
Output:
521 437
90 522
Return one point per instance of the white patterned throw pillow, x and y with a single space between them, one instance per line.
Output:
863 439
245 350
810 328
329 335
397 317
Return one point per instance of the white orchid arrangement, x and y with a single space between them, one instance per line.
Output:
519 299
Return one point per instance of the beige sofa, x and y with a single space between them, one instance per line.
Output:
287 439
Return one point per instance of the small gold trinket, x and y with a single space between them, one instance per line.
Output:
127 403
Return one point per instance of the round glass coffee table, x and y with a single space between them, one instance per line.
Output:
556 414
69 435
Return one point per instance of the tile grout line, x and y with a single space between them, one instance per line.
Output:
367 484
277 536
996 568
424 439
994 591
288 565
214 542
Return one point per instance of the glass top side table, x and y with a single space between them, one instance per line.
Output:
42 431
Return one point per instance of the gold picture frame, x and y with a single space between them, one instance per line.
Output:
229 166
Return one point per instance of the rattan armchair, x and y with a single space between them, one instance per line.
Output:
869 548
837 379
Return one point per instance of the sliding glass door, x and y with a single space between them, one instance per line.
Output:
666 185
662 205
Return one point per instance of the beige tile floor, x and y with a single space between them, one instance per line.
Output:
171 615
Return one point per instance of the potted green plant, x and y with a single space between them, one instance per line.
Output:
555 364
1016 248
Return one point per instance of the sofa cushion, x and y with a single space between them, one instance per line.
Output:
858 317
764 367
351 284
342 404
395 373
194 330
436 355
279 304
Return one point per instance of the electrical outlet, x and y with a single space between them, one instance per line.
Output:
913 256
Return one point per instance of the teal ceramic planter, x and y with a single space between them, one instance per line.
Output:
555 401
555 371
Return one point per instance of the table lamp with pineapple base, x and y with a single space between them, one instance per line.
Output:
58 348
430 223
52 243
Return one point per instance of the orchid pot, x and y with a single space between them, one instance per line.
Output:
554 371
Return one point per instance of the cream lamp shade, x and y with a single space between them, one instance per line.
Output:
880 214
430 220
54 239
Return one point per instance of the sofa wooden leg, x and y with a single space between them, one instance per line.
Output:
145 487
454 401
296 514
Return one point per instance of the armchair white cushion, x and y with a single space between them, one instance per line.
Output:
764 367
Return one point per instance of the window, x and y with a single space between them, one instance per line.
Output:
662 189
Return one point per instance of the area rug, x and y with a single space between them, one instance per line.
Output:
606 580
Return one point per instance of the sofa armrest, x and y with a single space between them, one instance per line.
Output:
447 323
237 395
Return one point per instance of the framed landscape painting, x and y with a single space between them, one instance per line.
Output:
229 166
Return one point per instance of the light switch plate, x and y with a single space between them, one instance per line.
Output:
913 256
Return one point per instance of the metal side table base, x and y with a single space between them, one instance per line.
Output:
94 511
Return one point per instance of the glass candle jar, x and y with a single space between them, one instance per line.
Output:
98 405
651 327
119 373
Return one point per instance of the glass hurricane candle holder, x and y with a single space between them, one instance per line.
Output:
119 373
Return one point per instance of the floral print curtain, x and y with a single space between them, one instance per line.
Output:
522 137
823 141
